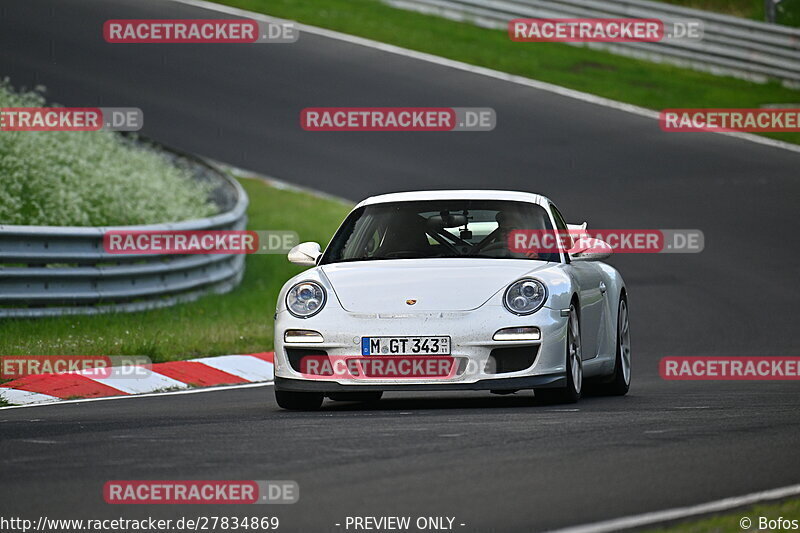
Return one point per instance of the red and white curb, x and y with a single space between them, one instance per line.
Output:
173 375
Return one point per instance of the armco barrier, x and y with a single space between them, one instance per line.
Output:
50 270
731 46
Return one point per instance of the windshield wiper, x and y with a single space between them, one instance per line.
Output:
484 256
352 259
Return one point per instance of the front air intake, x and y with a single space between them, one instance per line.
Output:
295 356
512 359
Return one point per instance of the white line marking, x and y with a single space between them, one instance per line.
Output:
647 519
149 395
245 366
144 380
278 183
519 80
22 396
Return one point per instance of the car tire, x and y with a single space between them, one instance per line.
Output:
365 396
621 378
299 401
574 366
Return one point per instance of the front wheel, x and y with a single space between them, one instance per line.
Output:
574 366
299 401
621 378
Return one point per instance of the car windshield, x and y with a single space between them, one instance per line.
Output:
436 229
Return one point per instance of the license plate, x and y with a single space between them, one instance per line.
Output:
405 345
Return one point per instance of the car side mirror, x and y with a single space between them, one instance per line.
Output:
576 232
305 253
577 227
588 249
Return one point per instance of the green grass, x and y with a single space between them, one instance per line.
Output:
59 178
788 11
751 9
650 85
729 522
238 322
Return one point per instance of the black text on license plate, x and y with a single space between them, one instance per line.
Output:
405 345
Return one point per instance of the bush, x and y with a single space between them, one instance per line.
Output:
90 178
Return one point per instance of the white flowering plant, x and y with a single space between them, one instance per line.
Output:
56 178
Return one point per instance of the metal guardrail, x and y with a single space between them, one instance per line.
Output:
733 46
50 270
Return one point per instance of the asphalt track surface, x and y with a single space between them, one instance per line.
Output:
494 463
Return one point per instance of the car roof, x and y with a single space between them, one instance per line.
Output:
412 196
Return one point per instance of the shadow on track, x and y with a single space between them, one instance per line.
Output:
444 401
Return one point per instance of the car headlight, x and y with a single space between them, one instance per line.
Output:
525 296
305 299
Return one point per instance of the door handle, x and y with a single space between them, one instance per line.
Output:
603 287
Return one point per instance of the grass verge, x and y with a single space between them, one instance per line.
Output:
651 85
787 11
751 9
731 522
238 322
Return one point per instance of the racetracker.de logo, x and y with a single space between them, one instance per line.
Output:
98 366
586 30
720 119
730 368
603 30
138 31
381 367
71 118
630 241
135 242
200 492
398 119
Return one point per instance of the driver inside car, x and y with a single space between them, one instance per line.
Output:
406 236
497 242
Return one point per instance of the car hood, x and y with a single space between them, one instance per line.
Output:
436 284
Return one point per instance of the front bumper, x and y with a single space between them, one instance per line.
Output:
470 332
498 384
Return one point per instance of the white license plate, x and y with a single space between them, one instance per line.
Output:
405 345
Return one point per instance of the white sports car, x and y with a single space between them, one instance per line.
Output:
424 291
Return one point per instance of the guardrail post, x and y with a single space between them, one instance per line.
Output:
769 10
